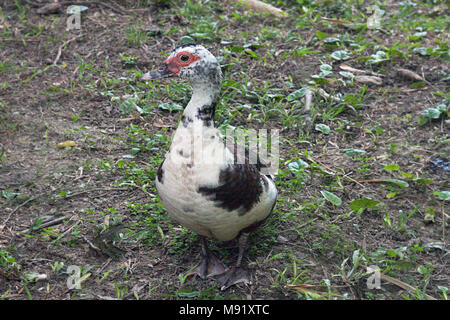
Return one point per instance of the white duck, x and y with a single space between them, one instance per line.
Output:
200 184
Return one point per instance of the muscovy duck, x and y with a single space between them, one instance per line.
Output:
200 183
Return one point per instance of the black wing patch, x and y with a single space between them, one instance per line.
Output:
239 188
160 173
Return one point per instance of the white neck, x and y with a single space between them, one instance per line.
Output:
201 107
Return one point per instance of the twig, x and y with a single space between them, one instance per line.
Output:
372 181
335 172
336 21
93 189
91 244
52 222
65 197
18 207
63 45
399 90
62 235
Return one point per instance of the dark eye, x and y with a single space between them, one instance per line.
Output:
184 58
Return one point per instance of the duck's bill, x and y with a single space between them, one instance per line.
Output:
162 72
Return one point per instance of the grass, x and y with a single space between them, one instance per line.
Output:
355 180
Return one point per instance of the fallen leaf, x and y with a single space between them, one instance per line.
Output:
66 144
369 79
49 8
281 239
346 67
409 74
260 6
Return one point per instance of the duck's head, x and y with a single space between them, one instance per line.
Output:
193 63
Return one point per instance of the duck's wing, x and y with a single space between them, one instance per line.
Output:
240 187
243 155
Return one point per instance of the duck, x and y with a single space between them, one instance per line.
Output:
200 182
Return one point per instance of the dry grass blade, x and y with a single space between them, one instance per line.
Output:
403 285
306 288
341 22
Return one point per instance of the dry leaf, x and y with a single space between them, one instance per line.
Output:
350 69
66 144
281 239
49 8
346 67
369 79
262 7
409 74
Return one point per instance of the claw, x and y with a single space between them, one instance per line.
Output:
233 276
210 265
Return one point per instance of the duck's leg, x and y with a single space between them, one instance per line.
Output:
236 274
209 266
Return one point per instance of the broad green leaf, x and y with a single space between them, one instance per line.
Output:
442 108
400 183
423 180
443 195
431 113
347 74
354 152
300 93
298 166
170 106
407 175
391 167
321 35
9 195
322 128
391 195
341 55
334 199
364 203
326 68
331 40
378 57
187 40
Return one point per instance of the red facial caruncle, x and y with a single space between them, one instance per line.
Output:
182 59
